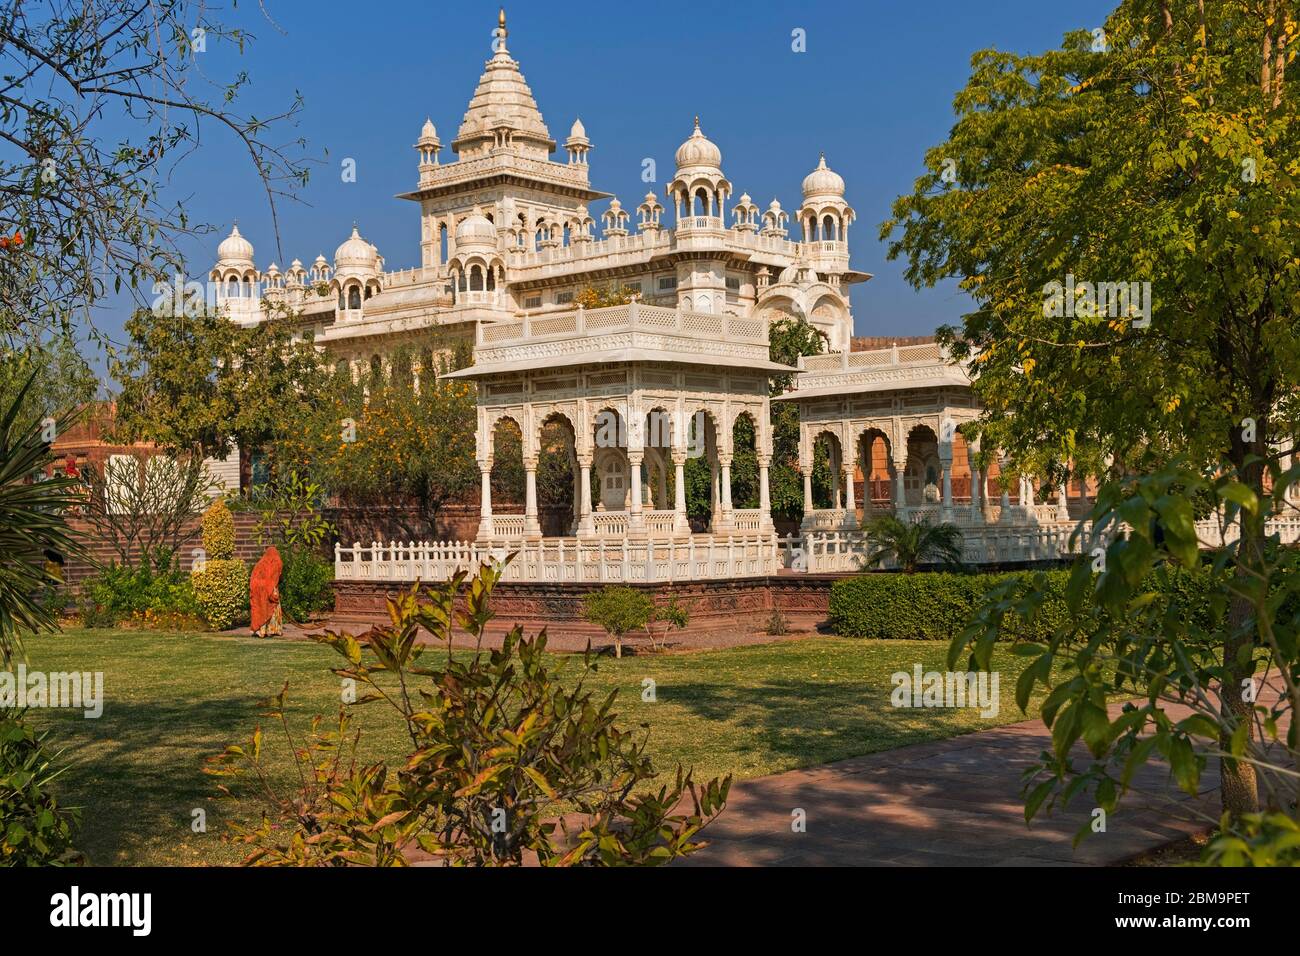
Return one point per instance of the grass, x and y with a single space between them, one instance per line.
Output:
173 699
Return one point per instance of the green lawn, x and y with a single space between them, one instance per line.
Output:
173 699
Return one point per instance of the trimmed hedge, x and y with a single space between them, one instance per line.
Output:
931 606
221 590
218 531
937 605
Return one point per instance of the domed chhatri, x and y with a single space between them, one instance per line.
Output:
355 252
699 151
823 181
235 249
476 229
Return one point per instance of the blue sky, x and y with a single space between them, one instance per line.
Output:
874 90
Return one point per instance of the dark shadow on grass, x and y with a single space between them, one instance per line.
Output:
137 771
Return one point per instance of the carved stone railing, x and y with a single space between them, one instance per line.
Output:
567 560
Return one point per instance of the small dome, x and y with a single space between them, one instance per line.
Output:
698 151
296 264
775 207
272 270
744 198
428 131
355 252
823 181
578 131
476 229
235 249
320 260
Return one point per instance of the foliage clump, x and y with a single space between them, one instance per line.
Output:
220 581
218 530
512 759
35 830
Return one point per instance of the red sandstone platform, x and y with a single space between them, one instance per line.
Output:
728 612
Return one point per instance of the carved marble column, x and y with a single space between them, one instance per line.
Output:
586 525
850 502
900 488
764 494
485 499
635 518
532 527
724 465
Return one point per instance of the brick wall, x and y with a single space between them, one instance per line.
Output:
101 552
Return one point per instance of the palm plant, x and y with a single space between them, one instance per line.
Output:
33 525
911 545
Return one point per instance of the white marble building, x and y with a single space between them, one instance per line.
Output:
511 231
508 229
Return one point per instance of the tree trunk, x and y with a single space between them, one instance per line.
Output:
1238 785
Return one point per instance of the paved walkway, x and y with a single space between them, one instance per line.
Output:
952 802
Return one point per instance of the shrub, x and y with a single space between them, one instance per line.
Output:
218 531
932 606
34 829
156 589
937 606
512 758
618 610
221 591
305 584
778 625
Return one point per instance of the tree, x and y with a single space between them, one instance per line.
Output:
1162 151
599 297
382 441
144 505
60 380
619 610
203 382
33 527
911 545
102 99
673 616
511 757
1152 623
788 340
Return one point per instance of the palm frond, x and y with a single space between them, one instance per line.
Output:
33 525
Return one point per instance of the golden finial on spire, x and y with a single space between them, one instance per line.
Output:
501 21
697 120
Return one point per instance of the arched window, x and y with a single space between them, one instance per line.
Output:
475 278
376 366
354 297
828 227
232 288
491 279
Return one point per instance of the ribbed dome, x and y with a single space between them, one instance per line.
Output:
578 131
503 98
355 252
476 230
698 151
235 249
427 131
823 181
